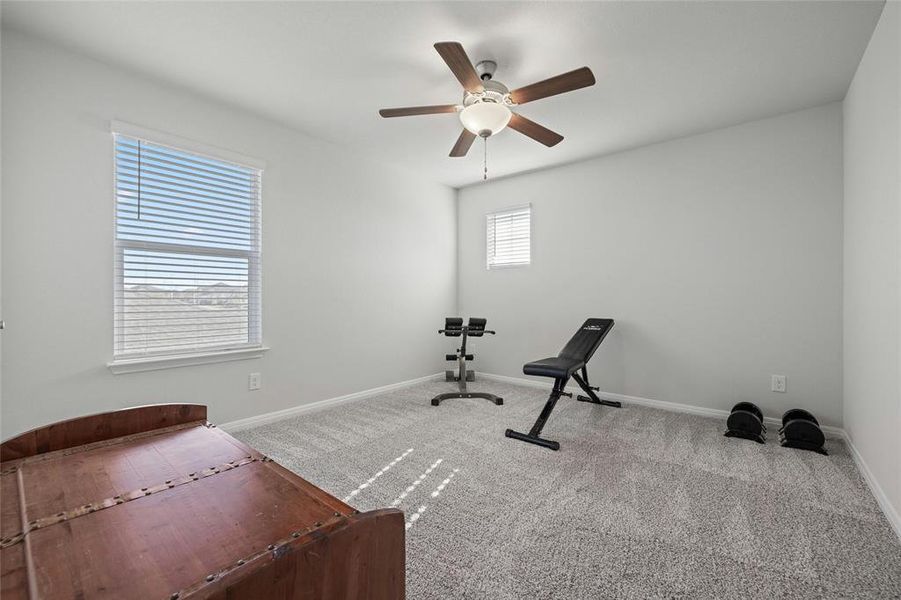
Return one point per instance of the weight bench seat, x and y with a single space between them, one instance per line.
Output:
555 367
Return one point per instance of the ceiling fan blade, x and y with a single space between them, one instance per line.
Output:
455 57
534 130
409 111
463 143
567 82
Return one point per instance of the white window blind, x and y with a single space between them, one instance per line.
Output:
187 266
509 237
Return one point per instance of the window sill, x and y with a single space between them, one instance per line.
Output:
155 363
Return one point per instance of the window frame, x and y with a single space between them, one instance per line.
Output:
498 211
153 360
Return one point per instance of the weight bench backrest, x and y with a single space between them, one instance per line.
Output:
582 346
453 326
476 327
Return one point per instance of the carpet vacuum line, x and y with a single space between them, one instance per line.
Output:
369 481
415 483
435 493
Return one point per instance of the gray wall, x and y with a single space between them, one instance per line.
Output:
872 240
718 255
350 249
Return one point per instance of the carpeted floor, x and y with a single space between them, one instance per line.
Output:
638 503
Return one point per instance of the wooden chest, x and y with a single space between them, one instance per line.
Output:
154 502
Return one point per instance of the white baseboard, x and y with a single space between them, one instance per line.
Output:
887 509
286 413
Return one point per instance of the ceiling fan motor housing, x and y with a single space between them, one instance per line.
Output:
494 91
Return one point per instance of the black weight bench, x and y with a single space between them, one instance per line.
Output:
571 362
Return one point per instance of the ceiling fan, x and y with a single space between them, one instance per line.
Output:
487 103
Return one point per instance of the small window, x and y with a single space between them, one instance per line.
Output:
187 265
509 237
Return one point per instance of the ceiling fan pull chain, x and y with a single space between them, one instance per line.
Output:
485 160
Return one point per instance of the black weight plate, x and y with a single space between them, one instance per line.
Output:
745 422
804 432
798 413
749 407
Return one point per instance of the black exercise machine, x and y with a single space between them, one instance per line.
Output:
453 327
571 362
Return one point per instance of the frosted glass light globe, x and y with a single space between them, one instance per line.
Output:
485 118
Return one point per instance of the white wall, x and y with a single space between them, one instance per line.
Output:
358 257
872 253
718 255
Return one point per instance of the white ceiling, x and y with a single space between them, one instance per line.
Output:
663 70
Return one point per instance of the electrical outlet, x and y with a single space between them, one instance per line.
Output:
778 383
254 381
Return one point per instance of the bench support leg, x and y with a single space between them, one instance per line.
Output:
534 435
591 397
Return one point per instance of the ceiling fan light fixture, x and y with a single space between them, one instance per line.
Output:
485 118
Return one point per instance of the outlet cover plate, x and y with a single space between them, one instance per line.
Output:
254 381
778 384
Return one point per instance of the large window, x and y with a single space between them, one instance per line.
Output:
187 267
509 237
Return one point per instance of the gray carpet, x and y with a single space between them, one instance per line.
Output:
638 503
